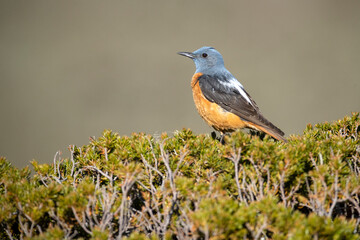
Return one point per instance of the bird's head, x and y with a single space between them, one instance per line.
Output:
206 59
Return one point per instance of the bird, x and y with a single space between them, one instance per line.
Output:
221 99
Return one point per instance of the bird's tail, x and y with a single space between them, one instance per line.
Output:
270 129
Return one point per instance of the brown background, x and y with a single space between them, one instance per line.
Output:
69 69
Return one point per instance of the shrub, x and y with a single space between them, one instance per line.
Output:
190 186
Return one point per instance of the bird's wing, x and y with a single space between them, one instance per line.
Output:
231 96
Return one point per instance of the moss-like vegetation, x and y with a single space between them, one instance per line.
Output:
191 187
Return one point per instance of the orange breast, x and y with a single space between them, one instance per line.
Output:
212 113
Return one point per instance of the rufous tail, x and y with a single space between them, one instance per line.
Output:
274 132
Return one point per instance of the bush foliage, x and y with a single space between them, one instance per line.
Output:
191 187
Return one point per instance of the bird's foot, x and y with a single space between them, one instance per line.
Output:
221 139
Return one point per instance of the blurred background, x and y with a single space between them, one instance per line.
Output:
70 69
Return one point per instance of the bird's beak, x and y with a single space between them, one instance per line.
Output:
187 54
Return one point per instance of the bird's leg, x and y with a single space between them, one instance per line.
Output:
222 140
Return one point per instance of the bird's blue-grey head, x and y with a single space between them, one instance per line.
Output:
207 60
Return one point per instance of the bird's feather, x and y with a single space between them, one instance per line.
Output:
232 97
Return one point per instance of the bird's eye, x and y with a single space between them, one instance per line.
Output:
204 55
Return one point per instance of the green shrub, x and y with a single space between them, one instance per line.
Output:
190 186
